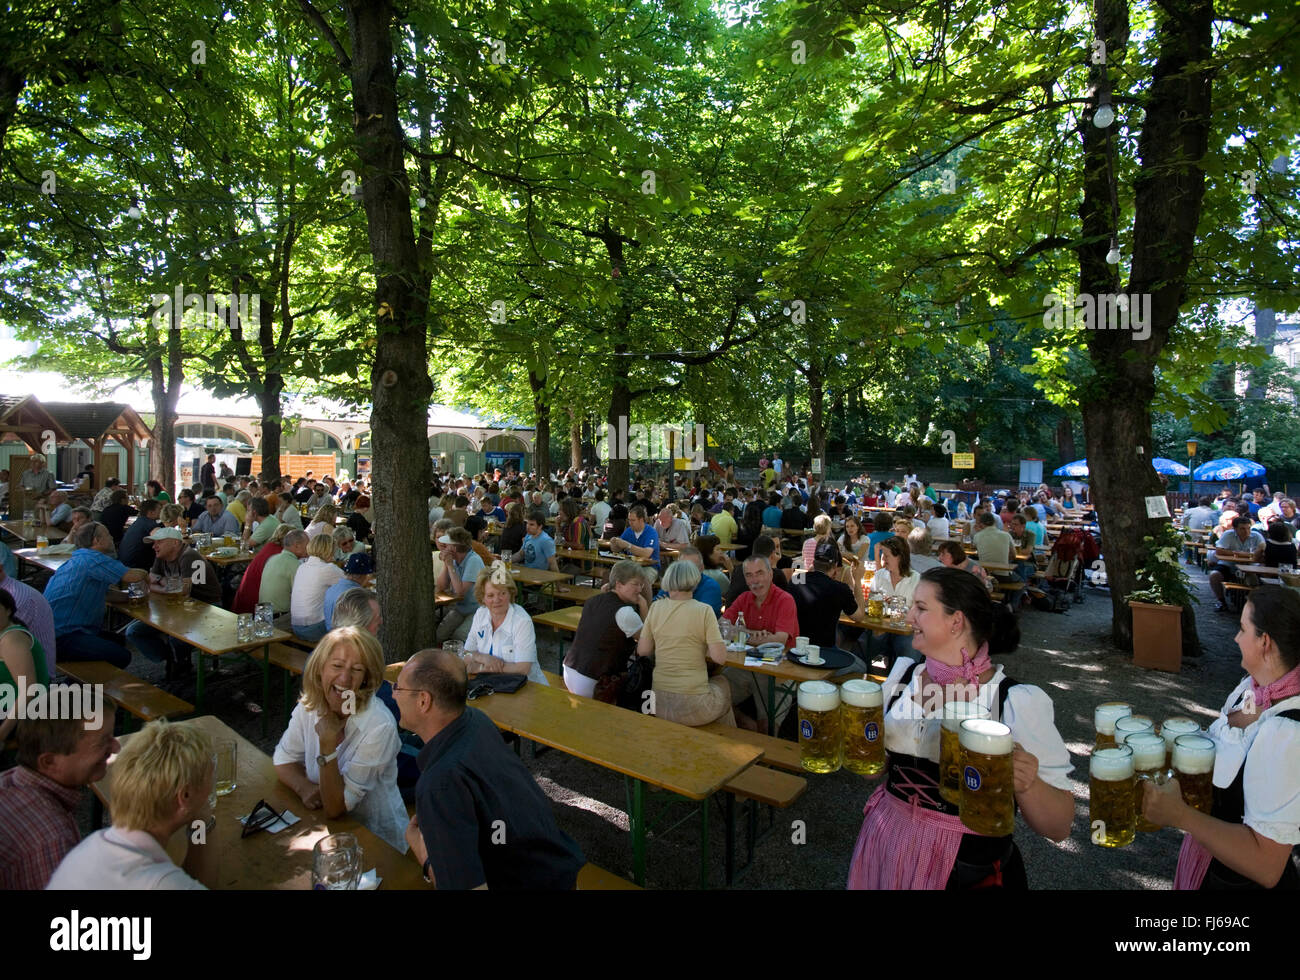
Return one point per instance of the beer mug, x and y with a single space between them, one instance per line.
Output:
244 628
1148 766
1110 796
876 605
1103 720
336 863
1194 767
263 620
988 797
1131 725
227 766
950 763
174 588
862 718
1171 728
820 743
42 542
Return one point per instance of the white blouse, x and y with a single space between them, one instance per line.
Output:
1270 750
906 586
367 761
1028 712
310 583
515 641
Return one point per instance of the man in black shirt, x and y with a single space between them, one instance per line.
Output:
480 818
208 474
135 552
193 509
820 596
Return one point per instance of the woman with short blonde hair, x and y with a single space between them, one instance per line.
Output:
160 783
821 532
310 583
339 751
324 520
501 638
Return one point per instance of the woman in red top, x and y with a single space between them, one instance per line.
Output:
251 584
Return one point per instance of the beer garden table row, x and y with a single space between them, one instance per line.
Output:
266 860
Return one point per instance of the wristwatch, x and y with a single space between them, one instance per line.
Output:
323 760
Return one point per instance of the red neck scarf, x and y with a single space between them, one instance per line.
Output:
969 670
1286 686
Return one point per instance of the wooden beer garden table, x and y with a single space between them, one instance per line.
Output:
644 749
41 559
595 557
210 629
15 528
282 860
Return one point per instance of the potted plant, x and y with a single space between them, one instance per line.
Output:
1158 608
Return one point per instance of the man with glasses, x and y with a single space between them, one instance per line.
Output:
481 821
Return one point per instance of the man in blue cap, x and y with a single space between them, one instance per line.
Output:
356 574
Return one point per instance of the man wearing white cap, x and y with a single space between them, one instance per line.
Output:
173 558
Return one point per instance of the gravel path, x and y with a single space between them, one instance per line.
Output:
1069 656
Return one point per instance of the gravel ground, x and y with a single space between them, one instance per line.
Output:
1068 655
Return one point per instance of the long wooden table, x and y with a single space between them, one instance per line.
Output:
41 559
15 528
210 629
276 861
595 557
644 749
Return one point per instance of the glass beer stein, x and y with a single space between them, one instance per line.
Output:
862 719
950 761
1131 725
988 800
1194 767
1110 796
820 742
1148 766
1171 728
1103 720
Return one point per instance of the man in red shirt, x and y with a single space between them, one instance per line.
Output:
39 797
771 617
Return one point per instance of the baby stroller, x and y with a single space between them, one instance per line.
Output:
1073 552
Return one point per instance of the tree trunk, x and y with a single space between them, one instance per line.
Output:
575 441
542 423
620 407
272 425
1065 439
789 415
165 384
400 382
12 83
816 411
1167 206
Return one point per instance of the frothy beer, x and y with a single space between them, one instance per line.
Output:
1171 728
862 719
1194 767
988 800
1132 725
1104 718
820 742
950 759
1149 766
1110 796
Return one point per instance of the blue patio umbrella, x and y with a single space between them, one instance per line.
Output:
1168 467
1228 468
1078 468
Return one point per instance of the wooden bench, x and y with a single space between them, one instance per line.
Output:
596 879
779 753
130 693
292 660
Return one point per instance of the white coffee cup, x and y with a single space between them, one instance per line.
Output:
812 653
801 643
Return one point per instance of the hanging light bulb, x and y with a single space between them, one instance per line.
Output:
1104 116
1112 257
420 202
133 212
785 311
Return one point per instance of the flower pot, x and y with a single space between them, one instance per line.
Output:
1157 636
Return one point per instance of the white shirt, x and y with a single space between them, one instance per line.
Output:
599 515
367 762
677 532
938 527
1270 751
1028 713
514 641
113 859
316 528
291 517
312 581
905 587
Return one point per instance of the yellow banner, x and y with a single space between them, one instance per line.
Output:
963 461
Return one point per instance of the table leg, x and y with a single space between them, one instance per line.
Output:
637 820
198 682
771 704
704 843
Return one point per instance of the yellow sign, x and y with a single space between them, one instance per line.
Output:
963 461
683 463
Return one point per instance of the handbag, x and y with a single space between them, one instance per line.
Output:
485 684
639 679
